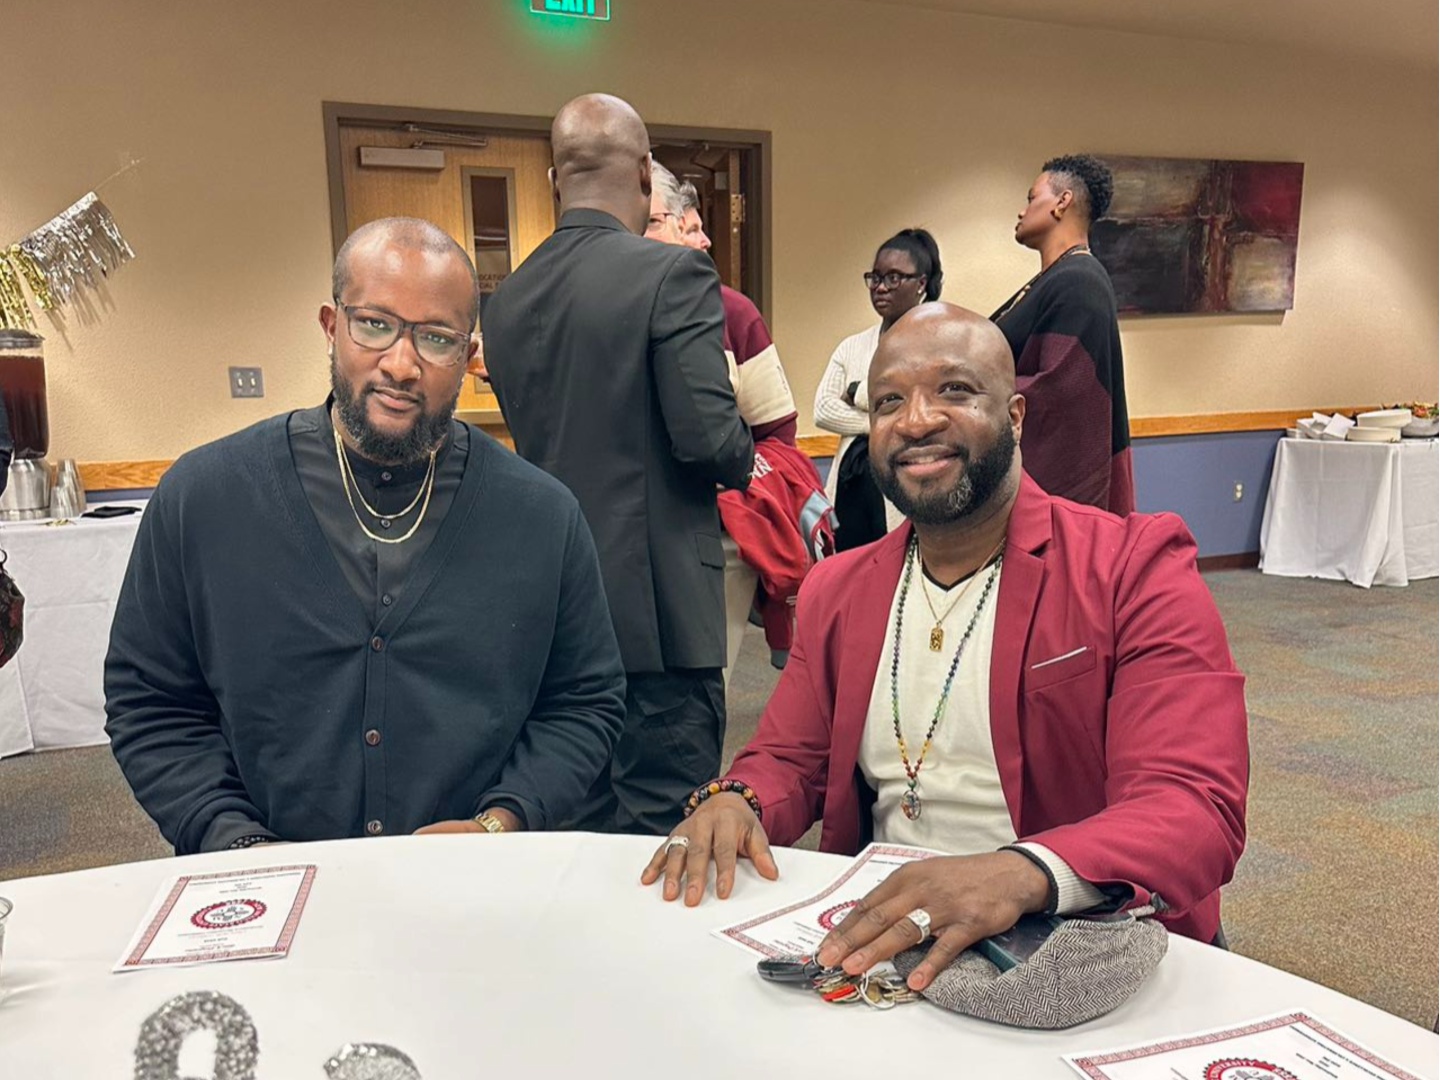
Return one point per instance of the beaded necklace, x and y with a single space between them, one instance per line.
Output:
910 802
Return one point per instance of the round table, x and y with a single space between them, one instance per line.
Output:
543 956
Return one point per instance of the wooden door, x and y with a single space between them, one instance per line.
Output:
494 200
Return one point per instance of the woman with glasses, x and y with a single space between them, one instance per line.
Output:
906 272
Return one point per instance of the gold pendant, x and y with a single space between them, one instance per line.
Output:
937 639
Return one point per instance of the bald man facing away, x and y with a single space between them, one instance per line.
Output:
606 353
364 618
1037 687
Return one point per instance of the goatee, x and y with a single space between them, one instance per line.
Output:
978 482
383 448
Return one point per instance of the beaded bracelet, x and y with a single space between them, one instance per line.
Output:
715 787
248 841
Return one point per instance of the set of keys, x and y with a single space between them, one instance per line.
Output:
878 990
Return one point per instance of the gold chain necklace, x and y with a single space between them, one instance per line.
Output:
427 487
349 469
937 634
1078 249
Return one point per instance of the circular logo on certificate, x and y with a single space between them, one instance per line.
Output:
831 917
1246 1069
228 914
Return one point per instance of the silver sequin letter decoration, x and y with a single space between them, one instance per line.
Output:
157 1054
368 1061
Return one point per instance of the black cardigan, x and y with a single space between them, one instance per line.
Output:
248 690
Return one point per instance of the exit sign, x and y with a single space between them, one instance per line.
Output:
580 9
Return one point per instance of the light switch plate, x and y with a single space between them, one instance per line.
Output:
246 382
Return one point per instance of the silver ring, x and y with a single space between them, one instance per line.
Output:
677 841
921 918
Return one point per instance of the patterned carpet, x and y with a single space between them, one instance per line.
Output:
1338 883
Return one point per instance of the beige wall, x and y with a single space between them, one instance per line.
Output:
882 117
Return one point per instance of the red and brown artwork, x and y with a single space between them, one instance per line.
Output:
1189 235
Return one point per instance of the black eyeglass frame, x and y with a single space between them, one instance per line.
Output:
403 327
874 281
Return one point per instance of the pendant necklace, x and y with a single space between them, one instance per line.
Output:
1078 249
937 633
910 802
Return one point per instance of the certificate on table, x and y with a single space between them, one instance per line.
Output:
1292 1046
234 915
797 929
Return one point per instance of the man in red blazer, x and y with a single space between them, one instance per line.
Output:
1115 747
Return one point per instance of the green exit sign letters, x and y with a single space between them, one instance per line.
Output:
580 9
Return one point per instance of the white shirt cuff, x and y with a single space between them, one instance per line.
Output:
1072 892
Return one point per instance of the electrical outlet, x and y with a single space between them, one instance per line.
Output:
246 382
1239 492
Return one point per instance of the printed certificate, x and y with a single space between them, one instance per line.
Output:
1292 1046
234 915
797 929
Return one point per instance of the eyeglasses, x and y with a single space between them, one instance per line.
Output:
891 279
371 328
657 220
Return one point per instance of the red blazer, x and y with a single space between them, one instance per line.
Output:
1117 714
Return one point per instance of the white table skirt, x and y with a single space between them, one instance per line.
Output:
1359 512
542 956
52 693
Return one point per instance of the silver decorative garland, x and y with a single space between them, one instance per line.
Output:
77 247
237 1044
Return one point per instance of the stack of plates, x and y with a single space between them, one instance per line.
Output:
1372 434
1381 426
1385 418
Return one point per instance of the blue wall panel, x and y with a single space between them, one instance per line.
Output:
1195 476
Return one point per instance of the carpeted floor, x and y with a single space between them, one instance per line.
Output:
1339 879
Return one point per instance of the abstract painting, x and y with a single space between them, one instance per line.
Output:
1189 235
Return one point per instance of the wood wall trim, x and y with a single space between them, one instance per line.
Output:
1151 427
121 475
130 475
819 445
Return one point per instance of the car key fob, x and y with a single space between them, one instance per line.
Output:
799 970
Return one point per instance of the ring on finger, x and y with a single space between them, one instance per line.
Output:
921 918
677 841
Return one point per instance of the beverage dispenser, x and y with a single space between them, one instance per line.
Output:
22 386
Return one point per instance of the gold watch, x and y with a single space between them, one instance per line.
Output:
489 822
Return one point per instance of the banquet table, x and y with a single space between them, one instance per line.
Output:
541 955
1351 511
52 693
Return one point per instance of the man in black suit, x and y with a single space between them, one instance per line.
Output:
605 352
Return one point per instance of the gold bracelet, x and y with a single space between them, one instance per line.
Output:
489 822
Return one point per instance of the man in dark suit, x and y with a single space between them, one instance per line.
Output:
605 351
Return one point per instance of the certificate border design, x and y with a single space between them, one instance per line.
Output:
1090 1064
136 958
737 933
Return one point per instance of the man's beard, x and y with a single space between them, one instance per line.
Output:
978 482
424 435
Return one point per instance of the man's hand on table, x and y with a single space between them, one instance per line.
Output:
968 897
723 828
470 825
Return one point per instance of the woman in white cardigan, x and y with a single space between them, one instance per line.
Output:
906 272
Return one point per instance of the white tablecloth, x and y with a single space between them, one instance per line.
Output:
52 694
1359 512
541 956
